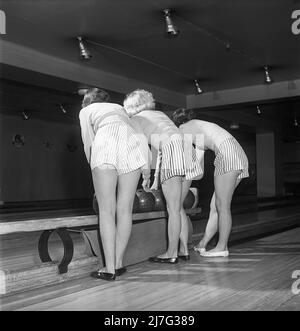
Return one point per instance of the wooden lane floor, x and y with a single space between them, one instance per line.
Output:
18 250
257 276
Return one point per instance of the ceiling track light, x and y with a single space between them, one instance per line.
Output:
258 110
198 88
171 29
25 115
62 108
268 78
84 52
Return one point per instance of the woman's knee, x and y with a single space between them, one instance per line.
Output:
213 204
107 209
124 209
222 206
174 206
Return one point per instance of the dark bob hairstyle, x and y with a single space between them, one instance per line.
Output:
94 95
181 116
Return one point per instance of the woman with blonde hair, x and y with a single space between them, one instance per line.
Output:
116 156
165 137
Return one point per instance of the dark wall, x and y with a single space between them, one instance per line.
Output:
49 166
292 168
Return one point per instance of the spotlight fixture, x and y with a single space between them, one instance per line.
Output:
62 108
84 52
25 115
268 79
199 90
258 110
296 124
171 29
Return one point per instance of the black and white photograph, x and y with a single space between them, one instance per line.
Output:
149 158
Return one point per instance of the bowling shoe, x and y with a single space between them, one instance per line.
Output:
199 250
184 257
121 271
171 260
103 275
215 254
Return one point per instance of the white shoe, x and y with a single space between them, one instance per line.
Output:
215 254
199 250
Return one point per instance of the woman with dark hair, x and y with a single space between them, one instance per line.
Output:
231 166
116 156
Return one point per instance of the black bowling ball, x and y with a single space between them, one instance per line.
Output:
160 202
146 201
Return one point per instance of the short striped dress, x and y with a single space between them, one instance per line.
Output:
164 137
193 162
109 138
117 144
172 158
230 156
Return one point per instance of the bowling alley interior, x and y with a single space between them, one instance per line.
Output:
232 63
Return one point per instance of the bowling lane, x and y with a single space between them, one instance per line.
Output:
257 276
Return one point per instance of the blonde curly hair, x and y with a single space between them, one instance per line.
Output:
137 101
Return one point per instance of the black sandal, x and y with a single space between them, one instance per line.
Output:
169 260
184 257
121 271
103 275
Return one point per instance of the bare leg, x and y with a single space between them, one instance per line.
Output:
224 188
105 182
172 192
212 224
184 234
127 185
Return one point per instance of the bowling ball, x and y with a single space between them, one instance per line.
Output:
160 203
95 205
191 200
146 201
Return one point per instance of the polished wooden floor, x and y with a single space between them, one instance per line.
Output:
257 276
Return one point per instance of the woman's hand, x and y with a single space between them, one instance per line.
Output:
146 179
146 184
155 184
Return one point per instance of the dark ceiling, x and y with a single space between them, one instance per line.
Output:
259 33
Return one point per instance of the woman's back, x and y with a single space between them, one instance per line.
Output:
155 123
212 134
